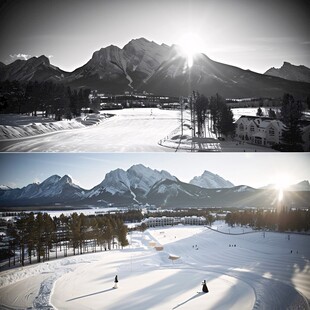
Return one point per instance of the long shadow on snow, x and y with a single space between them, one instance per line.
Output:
193 297
88 295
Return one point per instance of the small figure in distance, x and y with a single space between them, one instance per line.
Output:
115 282
204 287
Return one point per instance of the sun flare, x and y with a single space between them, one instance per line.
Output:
190 45
281 183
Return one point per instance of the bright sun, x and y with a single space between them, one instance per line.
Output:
190 45
281 183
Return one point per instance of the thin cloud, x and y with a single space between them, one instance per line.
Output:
19 56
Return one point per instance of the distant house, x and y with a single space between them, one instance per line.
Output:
266 131
259 130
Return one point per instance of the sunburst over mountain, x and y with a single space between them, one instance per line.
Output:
143 65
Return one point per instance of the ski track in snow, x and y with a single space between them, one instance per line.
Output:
257 273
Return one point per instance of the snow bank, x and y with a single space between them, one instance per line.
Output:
19 128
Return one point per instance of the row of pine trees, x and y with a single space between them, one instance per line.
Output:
54 99
283 220
221 115
36 235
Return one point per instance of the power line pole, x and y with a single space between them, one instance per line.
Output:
181 106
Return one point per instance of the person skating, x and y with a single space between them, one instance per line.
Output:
204 287
115 282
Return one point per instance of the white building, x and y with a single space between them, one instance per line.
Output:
259 130
165 221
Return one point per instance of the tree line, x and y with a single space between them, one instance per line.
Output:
291 116
221 115
36 235
53 99
184 212
284 220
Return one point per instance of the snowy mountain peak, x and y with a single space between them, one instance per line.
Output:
65 179
4 187
52 179
137 181
210 180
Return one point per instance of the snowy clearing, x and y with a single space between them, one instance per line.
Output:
244 271
129 130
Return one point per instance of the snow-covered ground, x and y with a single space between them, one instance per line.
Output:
13 126
129 130
238 112
245 271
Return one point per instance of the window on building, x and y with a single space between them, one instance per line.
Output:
271 132
252 128
241 127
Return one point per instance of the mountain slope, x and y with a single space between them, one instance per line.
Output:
301 186
53 189
140 184
210 180
291 72
132 184
142 65
34 69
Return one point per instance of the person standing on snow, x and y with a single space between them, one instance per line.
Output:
204 287
115 282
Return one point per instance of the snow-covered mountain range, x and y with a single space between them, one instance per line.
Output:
291 72
143 65
140 185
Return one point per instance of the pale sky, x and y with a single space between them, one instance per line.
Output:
250 34
89 169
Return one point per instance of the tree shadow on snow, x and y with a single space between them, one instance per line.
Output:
186 301
109 289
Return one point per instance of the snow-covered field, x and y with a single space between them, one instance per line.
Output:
129 130
244 271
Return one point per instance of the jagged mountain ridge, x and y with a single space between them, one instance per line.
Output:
34 69
134 183
140 184
53 189
210 180
142 65
291 72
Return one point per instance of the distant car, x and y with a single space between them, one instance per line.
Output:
221 138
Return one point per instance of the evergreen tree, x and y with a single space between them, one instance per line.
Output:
272 113
291 113
225 124
201 106
259 112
